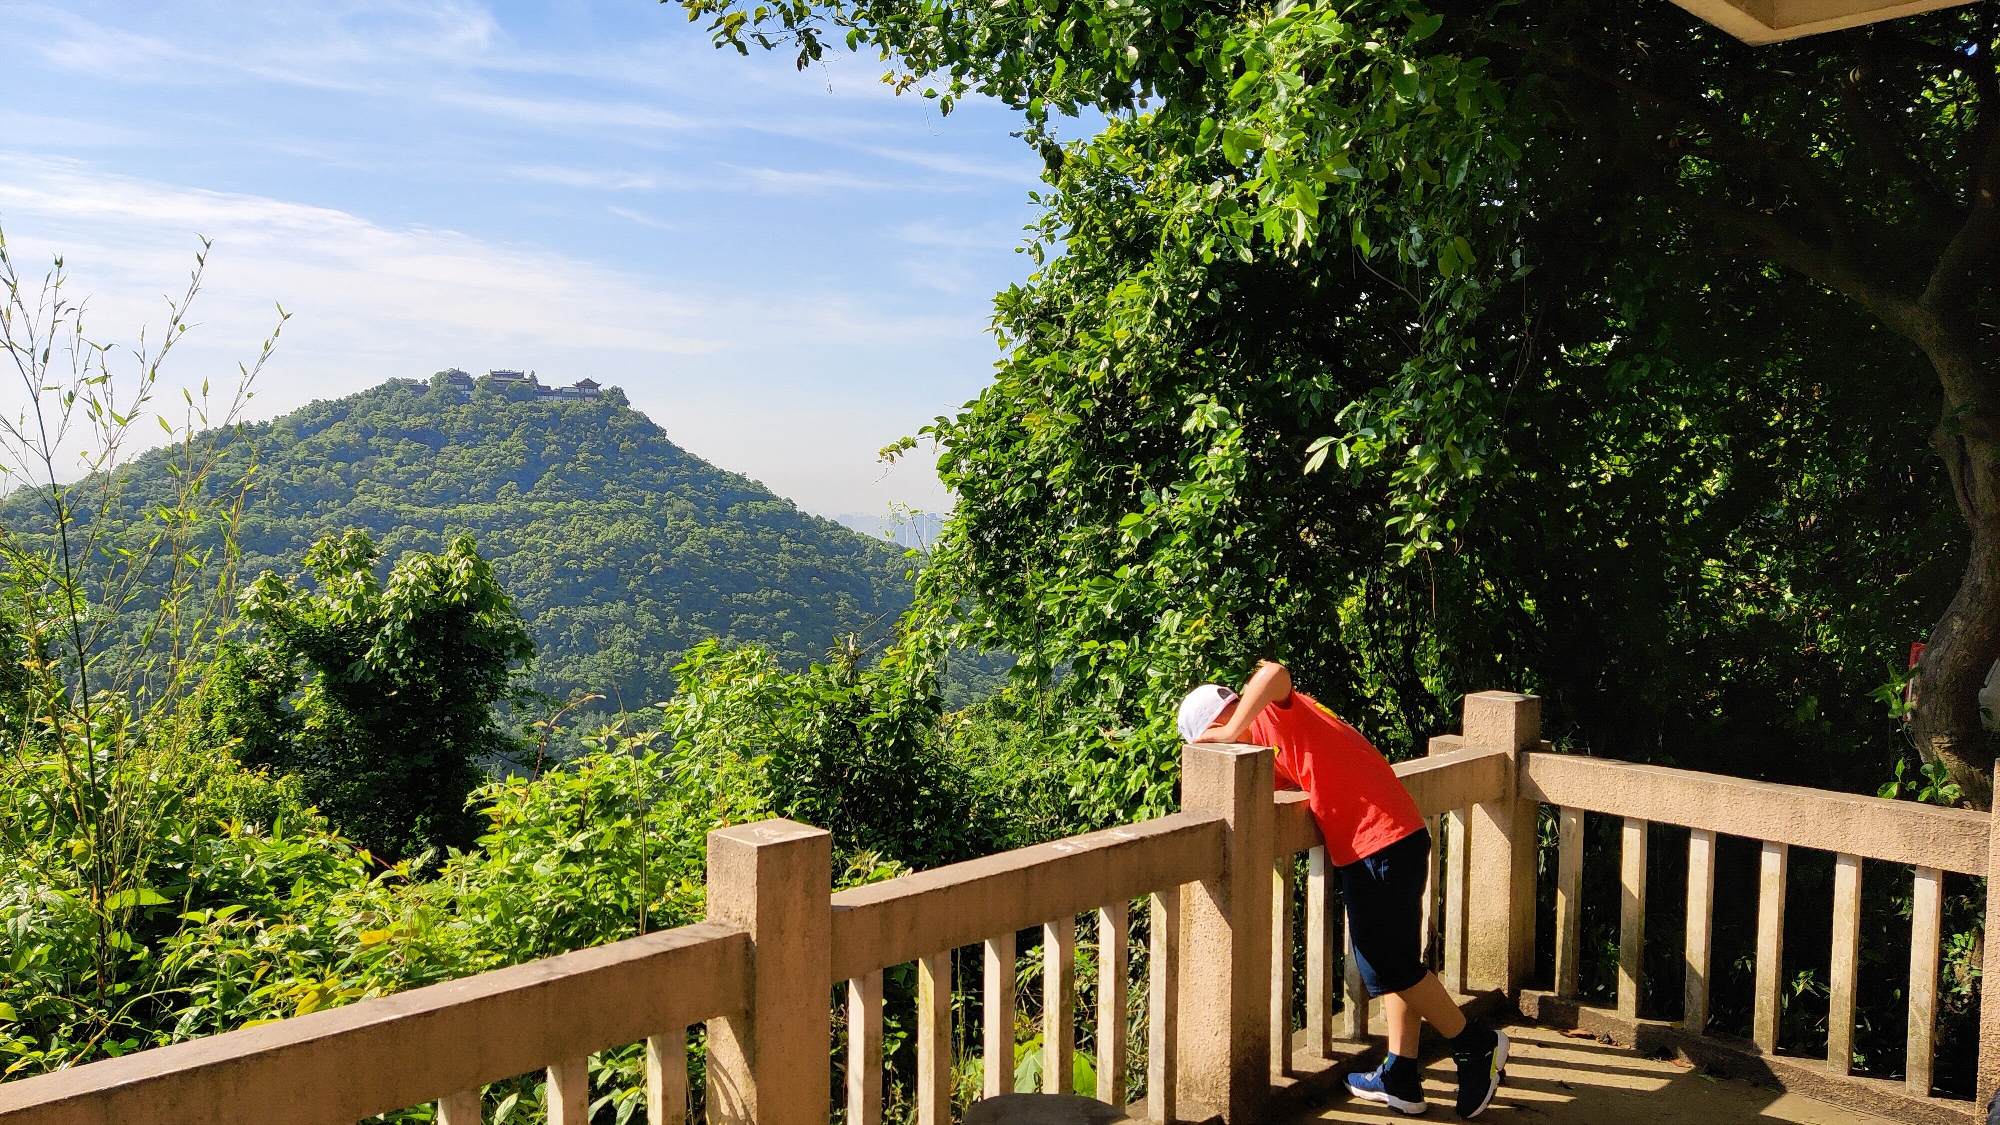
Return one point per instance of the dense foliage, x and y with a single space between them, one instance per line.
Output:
1414 343
379 698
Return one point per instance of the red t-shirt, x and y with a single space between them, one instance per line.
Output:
1359 801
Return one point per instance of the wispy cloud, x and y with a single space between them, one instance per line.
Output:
779 181
571 111
356 284
585 178
786 270
982 236
1019 172
643 219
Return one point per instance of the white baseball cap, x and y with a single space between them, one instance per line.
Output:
1200 708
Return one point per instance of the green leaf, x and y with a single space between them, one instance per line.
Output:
1403 78
134 896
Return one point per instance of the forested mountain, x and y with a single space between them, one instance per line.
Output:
621 549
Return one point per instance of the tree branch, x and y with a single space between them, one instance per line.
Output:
1785 246
1889 147
1966 262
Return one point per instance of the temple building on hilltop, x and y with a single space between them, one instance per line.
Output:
583 390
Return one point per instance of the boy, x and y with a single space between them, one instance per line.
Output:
1376 836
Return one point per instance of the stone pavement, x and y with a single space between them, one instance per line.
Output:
1556 1080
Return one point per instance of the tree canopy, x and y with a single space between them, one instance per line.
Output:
1573 347
379 697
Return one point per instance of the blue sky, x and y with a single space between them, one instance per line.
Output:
787 270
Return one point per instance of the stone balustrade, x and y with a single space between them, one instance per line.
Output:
1217 890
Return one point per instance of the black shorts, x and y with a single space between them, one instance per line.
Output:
1384 893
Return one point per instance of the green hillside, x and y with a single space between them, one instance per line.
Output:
620 548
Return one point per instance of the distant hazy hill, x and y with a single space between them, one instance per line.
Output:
905 529
621 549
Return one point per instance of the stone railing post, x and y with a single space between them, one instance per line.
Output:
1225 967
768 1065
1500 930
1989 996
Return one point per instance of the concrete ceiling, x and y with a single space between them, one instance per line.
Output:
1768 21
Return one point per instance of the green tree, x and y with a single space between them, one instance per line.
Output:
850 745
379 697
1457 210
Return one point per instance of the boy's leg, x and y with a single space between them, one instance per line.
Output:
1405 1025
1384 895
1384 917
1426 1000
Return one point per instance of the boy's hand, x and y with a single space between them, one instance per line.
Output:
1220 731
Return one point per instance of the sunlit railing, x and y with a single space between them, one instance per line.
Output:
1217 887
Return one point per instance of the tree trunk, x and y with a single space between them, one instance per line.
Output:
1946 721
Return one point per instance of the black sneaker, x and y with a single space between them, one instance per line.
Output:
1380 1086
1479 1071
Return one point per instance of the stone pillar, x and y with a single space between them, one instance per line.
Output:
1500 953
769 1064
1225 969
1989 997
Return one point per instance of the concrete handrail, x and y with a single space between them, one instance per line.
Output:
1221 881
1439 785
353 1062
1892 831
915 915
1854 828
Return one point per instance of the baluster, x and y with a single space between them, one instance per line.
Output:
1631 917
999 1002
1458 861
569 1092
934 1039
1355 1023
1113 932
1163 957
1281 965
462 1108
667 1074
1059 1006
1700 923
1319 955
1569 899
1926 916
1430 917
1773 867
864 1049
1845 963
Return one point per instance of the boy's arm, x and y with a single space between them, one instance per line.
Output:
1272 683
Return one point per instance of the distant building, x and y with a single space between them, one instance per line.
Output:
458 380
581 390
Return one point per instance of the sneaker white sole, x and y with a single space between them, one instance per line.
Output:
1400 1105
1493 1077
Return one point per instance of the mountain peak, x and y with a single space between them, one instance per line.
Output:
621 549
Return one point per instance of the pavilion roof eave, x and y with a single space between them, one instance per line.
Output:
1757 22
